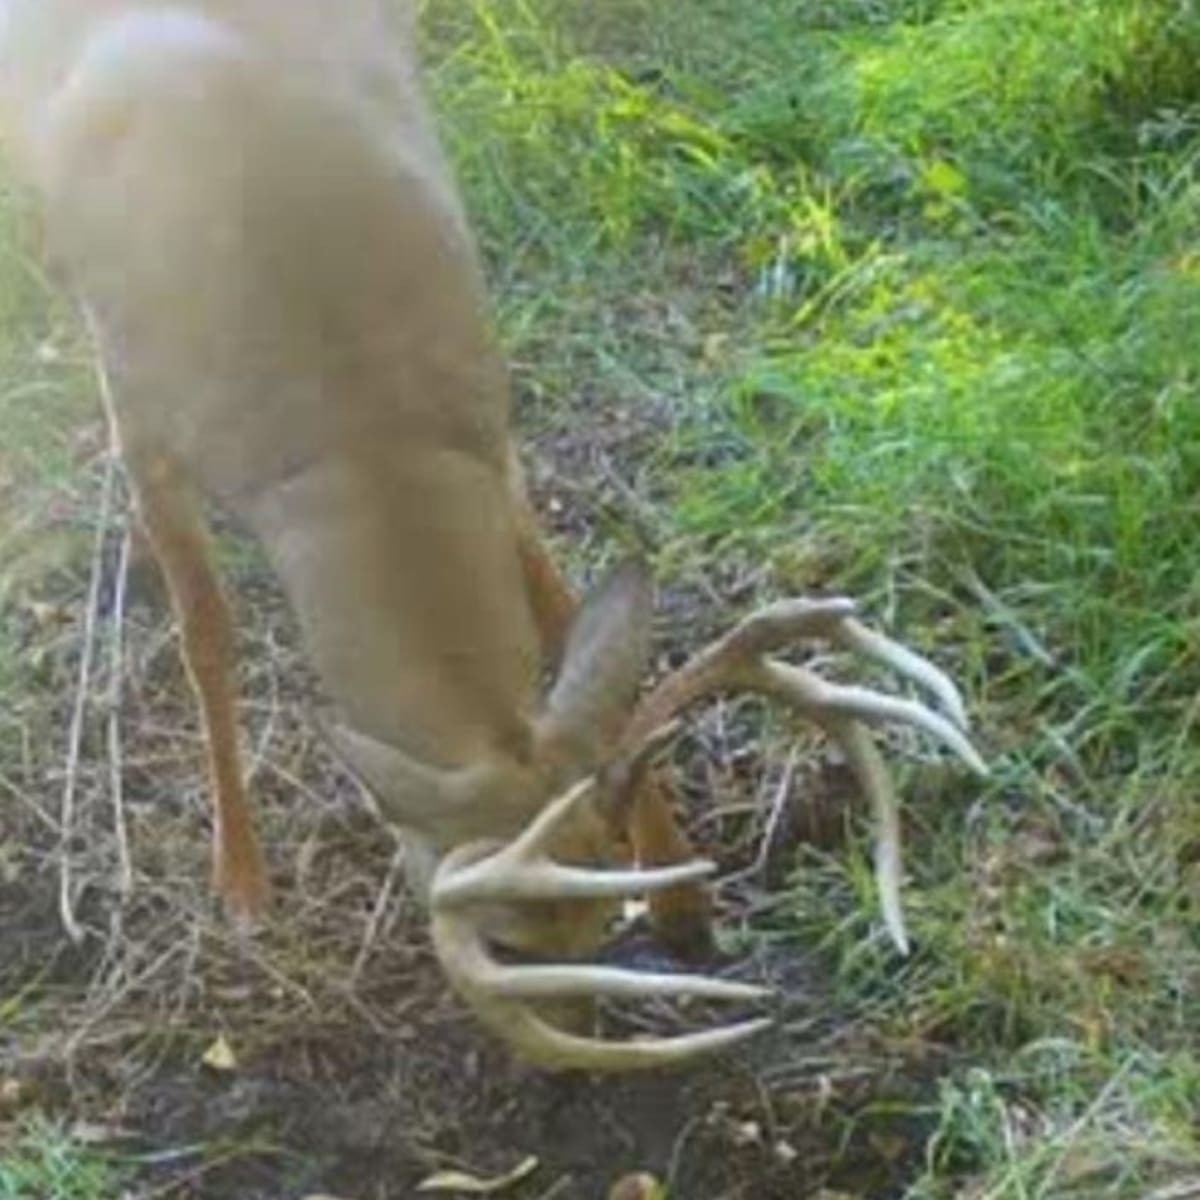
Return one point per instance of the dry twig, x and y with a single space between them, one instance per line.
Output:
66 902
116 672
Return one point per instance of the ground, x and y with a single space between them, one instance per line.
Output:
354 1071
897 298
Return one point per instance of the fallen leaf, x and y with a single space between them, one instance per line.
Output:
47 615
219 1055
475 1185
785 1152
714 347
944 178
889 1146
747 1133
639 1186
12 1094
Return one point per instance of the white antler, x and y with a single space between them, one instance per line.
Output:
503 995
742 660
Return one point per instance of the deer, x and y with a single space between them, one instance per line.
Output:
250 201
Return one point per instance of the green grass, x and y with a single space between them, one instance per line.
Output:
45 374
45 1162
47 401
916 284
919 285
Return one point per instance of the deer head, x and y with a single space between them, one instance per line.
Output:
554 885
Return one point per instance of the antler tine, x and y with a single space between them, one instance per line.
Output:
716 666
541 1042
722 665
522 869
854 635
501 996
868 766
544 982
545 1045
741 660
818 698
461 947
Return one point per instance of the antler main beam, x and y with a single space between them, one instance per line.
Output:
741 661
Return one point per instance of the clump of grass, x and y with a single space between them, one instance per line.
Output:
45 378
46 401
45 1161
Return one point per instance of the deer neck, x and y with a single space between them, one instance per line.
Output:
403 572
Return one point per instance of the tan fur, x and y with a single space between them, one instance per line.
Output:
252 205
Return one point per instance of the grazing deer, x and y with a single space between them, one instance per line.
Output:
251 203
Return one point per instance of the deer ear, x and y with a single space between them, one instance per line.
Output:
404 789
444 805
605 656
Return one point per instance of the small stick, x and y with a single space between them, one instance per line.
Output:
382 900
116 771
273 708
779 806
66 904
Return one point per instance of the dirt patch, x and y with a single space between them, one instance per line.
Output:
373 1118
360 1077
368 1096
